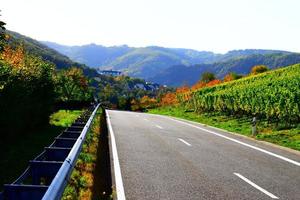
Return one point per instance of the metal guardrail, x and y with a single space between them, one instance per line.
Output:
48 174
59 182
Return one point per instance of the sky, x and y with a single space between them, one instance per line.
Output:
210 25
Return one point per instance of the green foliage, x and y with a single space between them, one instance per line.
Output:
29 88
2 34
72 85
84 181
259 69
70 193
189 75
36 48
26 91
272 95
120 91
207 77
64 118
86 157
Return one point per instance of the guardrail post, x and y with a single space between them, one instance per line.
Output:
254 129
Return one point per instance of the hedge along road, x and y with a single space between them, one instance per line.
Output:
160 157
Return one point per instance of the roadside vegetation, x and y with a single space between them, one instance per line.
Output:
31 89
87 180
64 118
270 96
15 155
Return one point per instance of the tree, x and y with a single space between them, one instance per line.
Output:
147 102
207 77
169 99
26 91
232 76
72 85
259 69
2 35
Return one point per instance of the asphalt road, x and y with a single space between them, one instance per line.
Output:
158 157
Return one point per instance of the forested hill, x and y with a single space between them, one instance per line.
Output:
128 58
48 54
174 66
182 74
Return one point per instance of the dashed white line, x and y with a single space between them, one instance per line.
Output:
185 142
159 127
237 141
146 119
256 186
117 170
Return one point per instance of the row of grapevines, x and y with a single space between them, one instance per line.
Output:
274 95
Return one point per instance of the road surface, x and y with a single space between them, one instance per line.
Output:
158 157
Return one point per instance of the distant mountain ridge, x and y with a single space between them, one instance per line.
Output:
147 62
169 66
181 74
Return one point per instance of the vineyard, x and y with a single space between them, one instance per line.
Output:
274 95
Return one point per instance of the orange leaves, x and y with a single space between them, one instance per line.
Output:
184 93
147 102
198 85
182 89
169 99
228 77
15 57
213 82
202 84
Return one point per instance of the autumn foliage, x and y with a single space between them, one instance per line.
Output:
30 87
14 57
169 99
259 69
184 93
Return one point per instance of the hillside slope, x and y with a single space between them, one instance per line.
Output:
273 95
36 48
183 74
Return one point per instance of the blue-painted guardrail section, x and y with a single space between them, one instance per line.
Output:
48 174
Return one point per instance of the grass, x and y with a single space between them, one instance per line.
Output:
64 118
16 152
83 178
287 137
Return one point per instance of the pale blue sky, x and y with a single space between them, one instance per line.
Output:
213 25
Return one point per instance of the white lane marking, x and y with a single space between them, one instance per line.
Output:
117 170
136 115
159 127
256 186
146 119
185 142
239 142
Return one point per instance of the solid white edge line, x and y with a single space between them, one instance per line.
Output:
185 142
237 141
117 170
159 127
256 186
